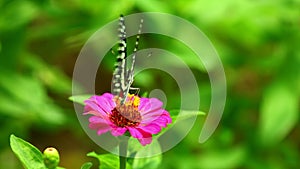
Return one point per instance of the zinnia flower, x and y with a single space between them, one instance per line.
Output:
142 117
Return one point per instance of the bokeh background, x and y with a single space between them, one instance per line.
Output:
258 42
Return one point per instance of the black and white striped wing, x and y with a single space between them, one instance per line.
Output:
123 77
119 75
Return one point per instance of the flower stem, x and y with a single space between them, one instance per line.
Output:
123 152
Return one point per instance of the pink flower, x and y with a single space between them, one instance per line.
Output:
142 117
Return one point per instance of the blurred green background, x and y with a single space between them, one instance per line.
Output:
258 42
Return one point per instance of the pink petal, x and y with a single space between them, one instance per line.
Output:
103 130
143 102
99 124
151 128
105 104
95 113
145 141
161 120
167 116
153 114
109 98
99 105
118 131
92 106
149 104
98 119
143 137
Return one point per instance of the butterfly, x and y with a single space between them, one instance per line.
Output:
122 75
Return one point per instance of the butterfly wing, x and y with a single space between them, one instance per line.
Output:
119 75
123 78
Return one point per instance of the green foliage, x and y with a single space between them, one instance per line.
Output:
258 43
108 161
29 155
279 113
80 98
179 115
147 161
229 158
184 114
87 165
142 156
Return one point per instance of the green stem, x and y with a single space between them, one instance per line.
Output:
122 153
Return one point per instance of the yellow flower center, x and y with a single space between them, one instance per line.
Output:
133 100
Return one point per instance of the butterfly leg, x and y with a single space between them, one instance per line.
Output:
135 89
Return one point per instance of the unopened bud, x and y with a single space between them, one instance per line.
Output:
51 158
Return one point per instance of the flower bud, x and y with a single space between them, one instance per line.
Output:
51 158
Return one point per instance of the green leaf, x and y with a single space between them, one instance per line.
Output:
279 113
153 6
107 161
230 158
80 98
11 20
54 78
29 155
86 165
150 161
184 114
145 94
178 115
32 100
